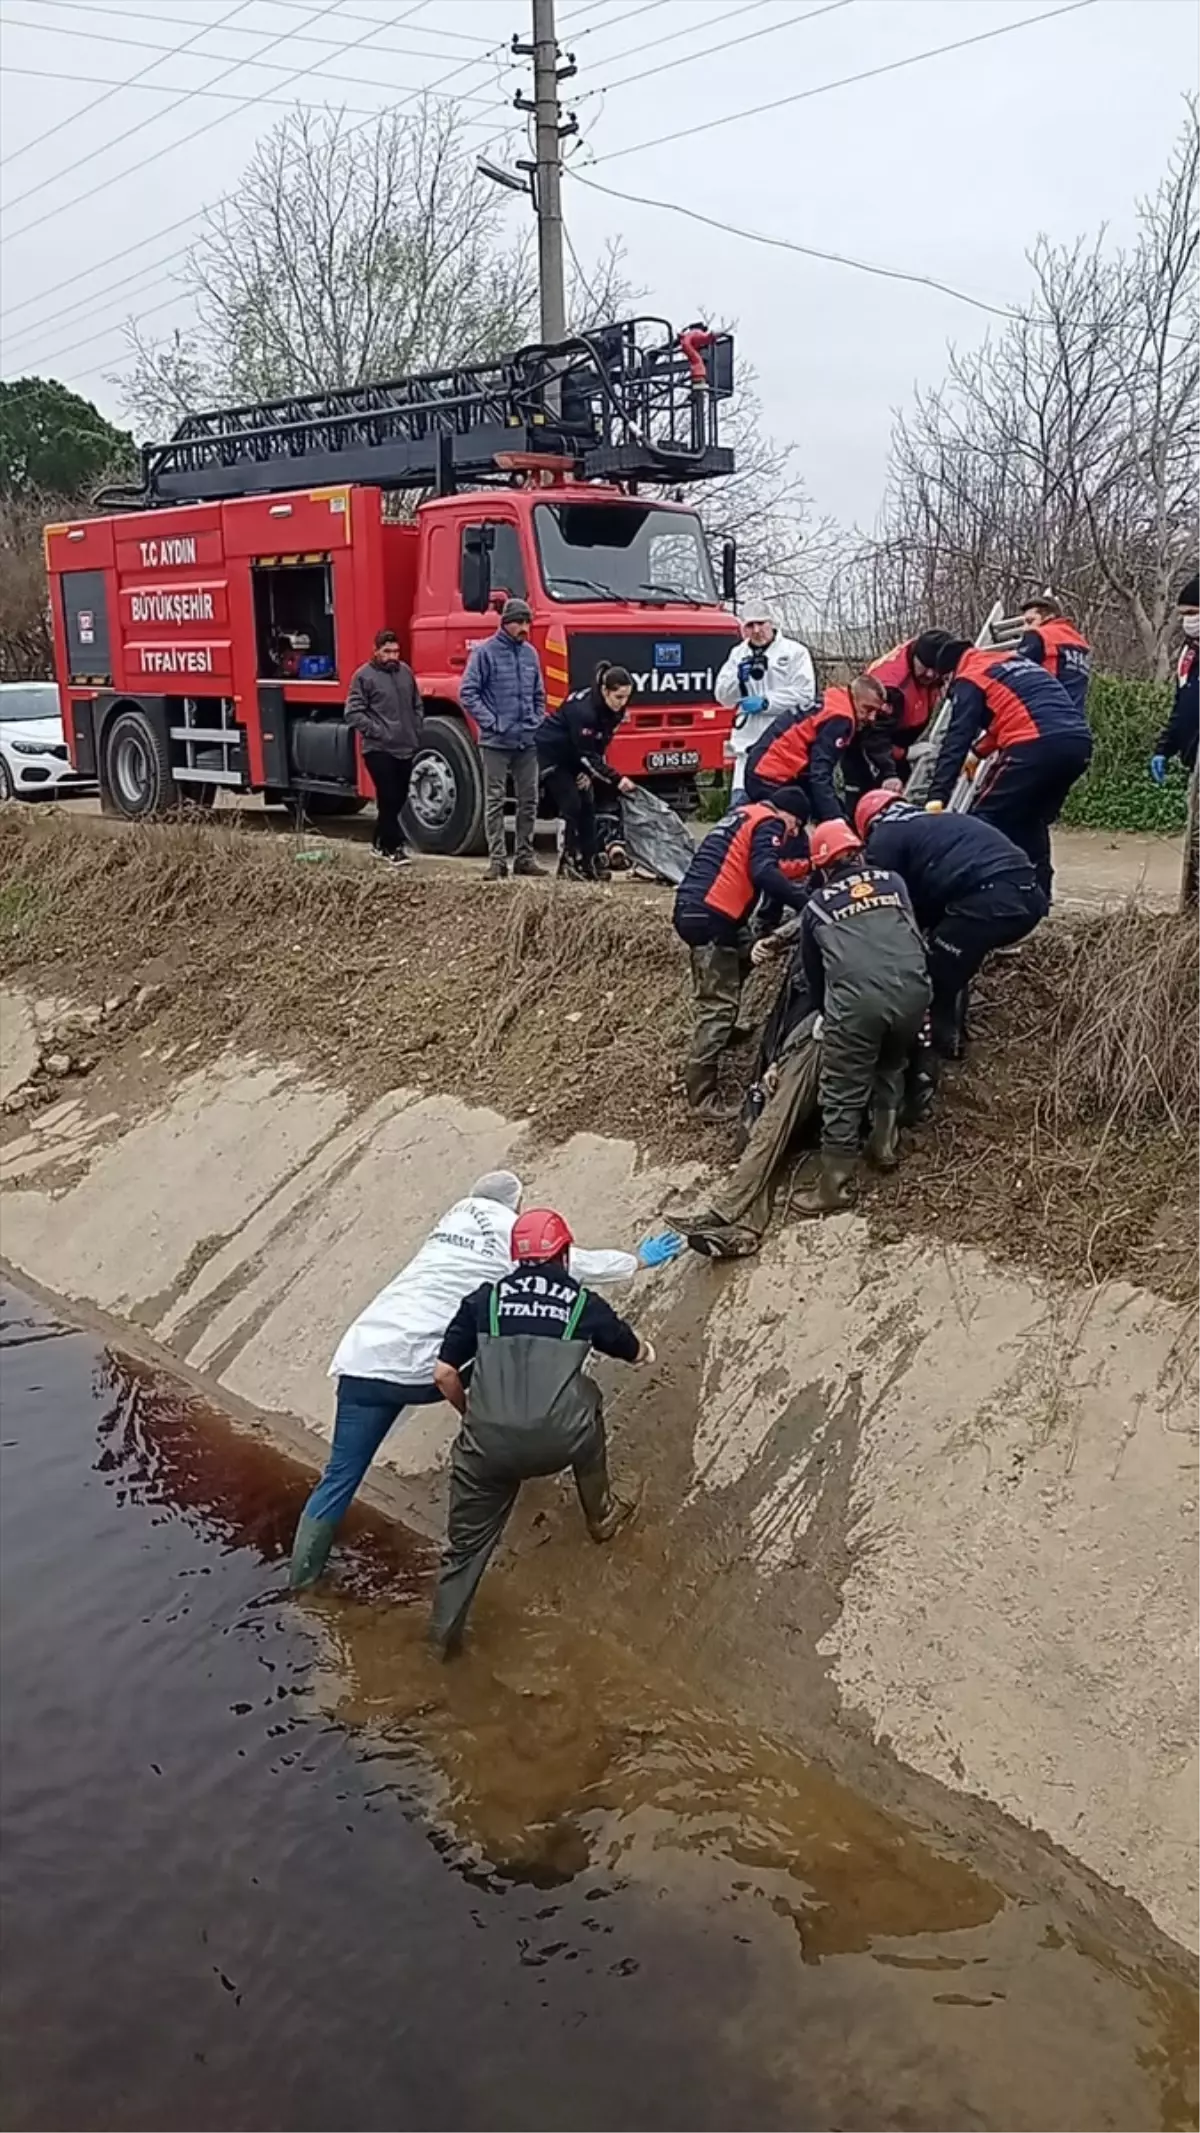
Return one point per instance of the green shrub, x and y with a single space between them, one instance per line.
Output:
1118 792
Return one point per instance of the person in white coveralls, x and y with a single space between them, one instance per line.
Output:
385 1360
765 674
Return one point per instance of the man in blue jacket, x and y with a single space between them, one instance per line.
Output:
502 690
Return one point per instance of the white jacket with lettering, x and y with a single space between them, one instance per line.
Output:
398 1336
789 684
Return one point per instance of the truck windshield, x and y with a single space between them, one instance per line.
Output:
627 551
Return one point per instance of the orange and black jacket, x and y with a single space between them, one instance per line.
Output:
749 854
802 748
1059 648
910 702
999 700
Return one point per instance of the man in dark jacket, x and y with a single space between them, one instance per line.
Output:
972 890
1004 705
531 1409
804 749
383 704
503 691
1179 735
864 965
754 851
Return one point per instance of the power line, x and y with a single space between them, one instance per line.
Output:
230 96
787 244
894 66
141 14
329 7
644 73
49 132
169 146
184 221
147 44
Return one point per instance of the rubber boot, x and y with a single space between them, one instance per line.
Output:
883 1147
310 1551
700 1082
834 1189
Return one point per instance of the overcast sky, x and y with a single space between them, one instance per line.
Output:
949 168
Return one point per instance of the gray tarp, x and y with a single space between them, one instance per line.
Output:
655 837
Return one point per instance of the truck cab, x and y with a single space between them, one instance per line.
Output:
206 631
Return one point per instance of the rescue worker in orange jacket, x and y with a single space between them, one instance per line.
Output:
1003 704
754 851
1054 643
910 676
801 750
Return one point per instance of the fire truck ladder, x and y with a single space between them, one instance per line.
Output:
629 402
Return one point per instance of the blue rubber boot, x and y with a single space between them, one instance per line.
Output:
310 1550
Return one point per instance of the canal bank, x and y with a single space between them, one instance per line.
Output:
267 1864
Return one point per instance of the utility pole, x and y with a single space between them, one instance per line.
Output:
550 130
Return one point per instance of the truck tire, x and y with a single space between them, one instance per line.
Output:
135 767
445 800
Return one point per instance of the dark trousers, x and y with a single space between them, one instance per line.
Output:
486 1472
575 804
719 953
1026 794
992 916
864 1053
391 776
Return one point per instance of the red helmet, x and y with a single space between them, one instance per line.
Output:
541 1234
832 840
871 804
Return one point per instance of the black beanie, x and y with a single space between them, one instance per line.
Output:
929 646
1189 594
793 800
949 654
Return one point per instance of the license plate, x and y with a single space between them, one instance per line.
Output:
674 759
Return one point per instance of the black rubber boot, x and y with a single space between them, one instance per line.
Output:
833 1191
883 1147
700 1082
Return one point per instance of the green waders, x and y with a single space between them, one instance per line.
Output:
532 1410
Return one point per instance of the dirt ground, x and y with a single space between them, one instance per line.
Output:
568 1008
1095 868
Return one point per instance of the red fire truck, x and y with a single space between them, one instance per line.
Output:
207 626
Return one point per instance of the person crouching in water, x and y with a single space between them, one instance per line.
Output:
531 1408
864 962
571 745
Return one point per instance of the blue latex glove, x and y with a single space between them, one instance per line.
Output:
659 1251
1158 769
750 704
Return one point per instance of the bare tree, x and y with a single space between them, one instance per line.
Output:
346 254
1061 452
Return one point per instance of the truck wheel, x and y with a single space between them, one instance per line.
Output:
136 778
445 799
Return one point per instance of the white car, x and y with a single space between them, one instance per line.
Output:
33 753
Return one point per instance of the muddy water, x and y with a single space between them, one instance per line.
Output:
268 1865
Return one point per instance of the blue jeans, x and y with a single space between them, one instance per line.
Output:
366 1410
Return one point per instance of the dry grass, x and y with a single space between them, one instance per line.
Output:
1068 1140
1125 1034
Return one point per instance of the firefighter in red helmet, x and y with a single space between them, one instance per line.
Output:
531 1409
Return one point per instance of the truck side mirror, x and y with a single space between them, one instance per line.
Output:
729 573
476 573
